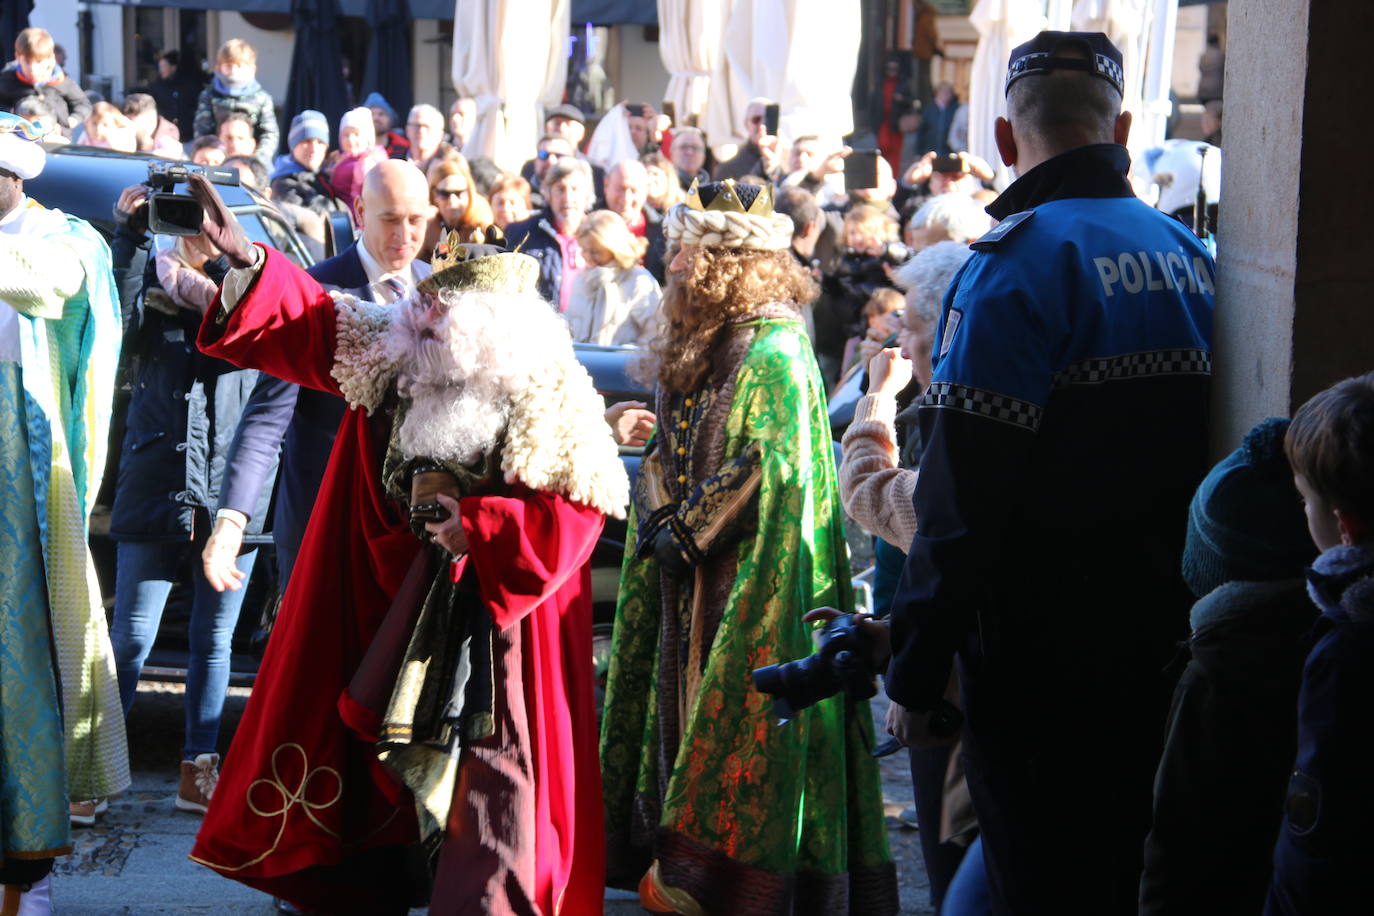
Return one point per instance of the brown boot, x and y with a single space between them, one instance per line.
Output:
198 779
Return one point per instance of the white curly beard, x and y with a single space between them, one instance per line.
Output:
461 372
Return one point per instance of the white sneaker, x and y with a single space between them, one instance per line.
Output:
83 813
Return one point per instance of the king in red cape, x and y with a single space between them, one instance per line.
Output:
422 727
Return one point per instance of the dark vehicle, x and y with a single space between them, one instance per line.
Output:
86 182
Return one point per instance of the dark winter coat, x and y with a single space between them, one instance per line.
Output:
303 188
176 101
64 97
748 161
182 415
1228 749
217 103
537 238
1322 861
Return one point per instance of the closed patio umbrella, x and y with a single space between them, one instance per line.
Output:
316 63
1001 25
388 55
14 18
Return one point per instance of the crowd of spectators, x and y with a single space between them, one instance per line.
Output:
589 206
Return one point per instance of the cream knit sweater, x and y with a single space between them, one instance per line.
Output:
875 491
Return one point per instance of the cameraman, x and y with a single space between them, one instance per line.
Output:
181 416
871 253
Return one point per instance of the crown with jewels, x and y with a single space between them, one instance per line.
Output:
728 197
480 262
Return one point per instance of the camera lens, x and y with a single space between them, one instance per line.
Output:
174 214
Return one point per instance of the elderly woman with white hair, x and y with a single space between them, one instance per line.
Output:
949 217
875 489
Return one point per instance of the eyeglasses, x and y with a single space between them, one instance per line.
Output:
550 155
756 119
451 192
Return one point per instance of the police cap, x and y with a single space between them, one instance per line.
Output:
1040 55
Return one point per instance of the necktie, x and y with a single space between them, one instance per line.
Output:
397 287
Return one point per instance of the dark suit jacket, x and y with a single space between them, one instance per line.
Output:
301 422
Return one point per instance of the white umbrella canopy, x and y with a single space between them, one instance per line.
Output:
800 53
1143 30
1001 25
511 56
689 35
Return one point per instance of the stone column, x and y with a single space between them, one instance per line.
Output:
1295 277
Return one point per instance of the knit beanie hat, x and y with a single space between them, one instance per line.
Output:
361 119
1246 521
308 125
377 100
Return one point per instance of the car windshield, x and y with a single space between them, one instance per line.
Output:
274 232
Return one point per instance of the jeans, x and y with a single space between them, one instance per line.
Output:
144 575
888 562
968 893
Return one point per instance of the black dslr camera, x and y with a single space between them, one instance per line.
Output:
179 214
840 662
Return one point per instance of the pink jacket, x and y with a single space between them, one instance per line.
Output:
347 177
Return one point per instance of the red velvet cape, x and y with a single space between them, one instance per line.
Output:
298 788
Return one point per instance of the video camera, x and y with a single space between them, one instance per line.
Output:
840 662
179 214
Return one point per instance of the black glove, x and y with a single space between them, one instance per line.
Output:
219 225
670 559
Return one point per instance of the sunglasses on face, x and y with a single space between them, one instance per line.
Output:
459 193
756 119
550 155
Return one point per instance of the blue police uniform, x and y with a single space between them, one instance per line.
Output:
1065 432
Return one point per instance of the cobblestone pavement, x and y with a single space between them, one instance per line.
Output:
133 862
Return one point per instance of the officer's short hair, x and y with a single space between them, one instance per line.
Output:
1331 444
1064 105
926 278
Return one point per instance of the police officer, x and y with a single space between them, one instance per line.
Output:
1065 430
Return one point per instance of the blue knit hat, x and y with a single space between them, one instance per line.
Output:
308 125
377 100
1246 521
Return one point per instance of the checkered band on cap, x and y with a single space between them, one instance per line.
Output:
1042 55
1135 365
987 404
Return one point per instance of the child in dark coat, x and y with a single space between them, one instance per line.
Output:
235 88
1230 739
1324 859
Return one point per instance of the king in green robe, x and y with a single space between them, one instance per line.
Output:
736 532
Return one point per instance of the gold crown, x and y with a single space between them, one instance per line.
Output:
727 198
476 265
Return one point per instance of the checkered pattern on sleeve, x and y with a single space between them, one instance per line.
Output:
1135 365
989 404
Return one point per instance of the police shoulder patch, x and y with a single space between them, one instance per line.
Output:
1003 229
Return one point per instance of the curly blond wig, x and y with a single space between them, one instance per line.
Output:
717 288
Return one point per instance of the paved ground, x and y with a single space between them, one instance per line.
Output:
133 863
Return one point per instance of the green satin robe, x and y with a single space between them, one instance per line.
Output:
700 781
